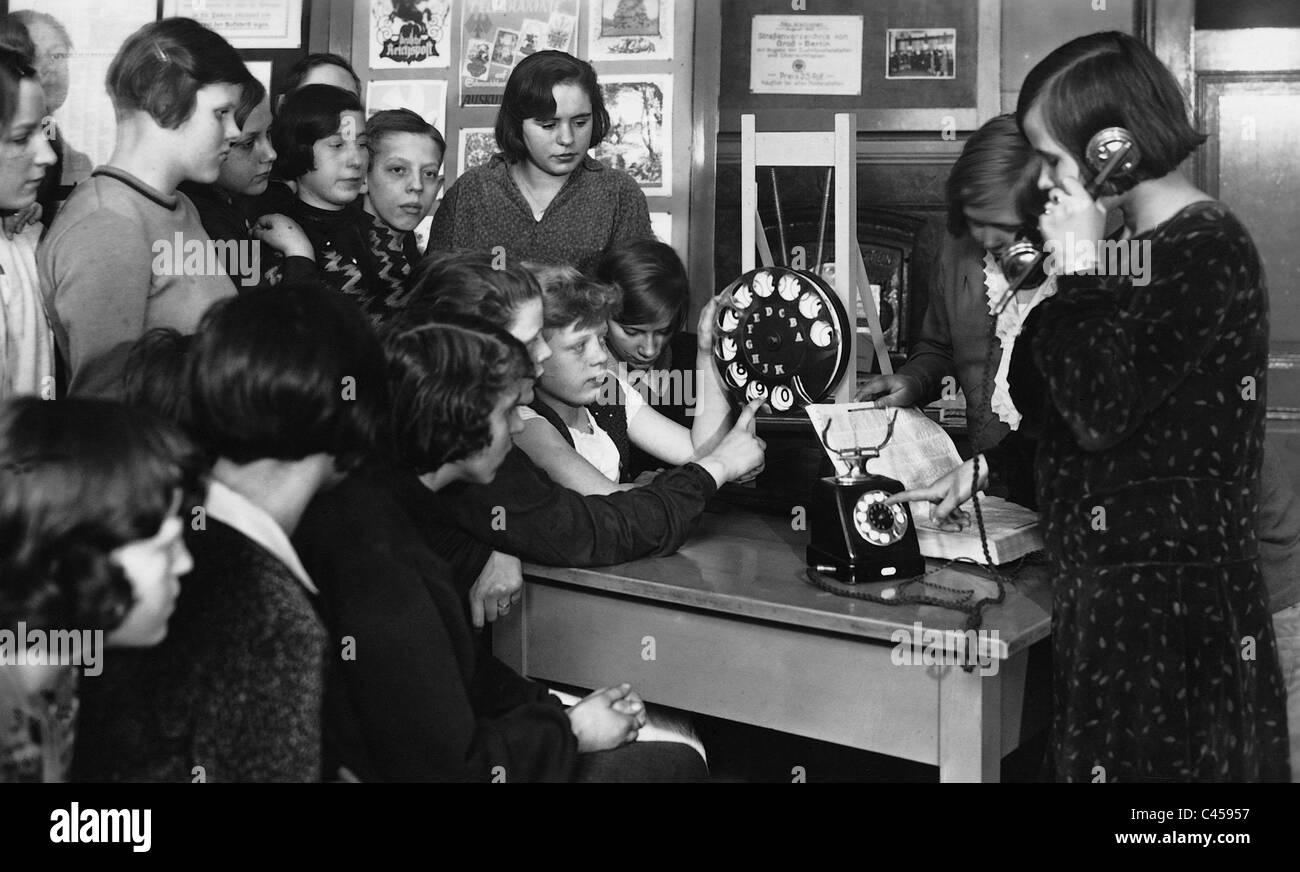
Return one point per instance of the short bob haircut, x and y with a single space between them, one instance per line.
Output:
283 373
653 281
465 283
293 79
530 94
79 479
307 116
446 378
1111 80
162 66
390 121
14 68
997 168
570 299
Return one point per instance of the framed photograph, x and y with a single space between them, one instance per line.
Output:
426 97
475 149
626 30
930 66
928 53
245 23
410 35
640 129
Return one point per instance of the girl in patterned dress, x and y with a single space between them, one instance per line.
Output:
1149 375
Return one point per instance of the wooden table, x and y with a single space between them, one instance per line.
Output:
730 627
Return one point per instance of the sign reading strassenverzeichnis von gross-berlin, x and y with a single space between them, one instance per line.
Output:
806 54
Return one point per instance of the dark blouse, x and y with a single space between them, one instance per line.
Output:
359 256
417 700
597 209
227 219
1150 402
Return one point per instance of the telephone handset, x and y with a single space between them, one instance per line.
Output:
1110 152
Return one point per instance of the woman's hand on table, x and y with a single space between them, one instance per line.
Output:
946 494
498 587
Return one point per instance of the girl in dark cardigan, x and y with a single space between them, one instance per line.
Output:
287 387
418 700
1151 409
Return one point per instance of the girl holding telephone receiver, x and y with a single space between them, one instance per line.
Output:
1147 395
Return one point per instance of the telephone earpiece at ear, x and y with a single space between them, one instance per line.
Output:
1105 144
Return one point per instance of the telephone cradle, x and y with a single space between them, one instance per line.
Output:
856 538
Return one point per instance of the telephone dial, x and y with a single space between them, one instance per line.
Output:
781 335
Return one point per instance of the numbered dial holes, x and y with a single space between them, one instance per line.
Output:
782 335
876 522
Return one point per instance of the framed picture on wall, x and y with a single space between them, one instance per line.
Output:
927 53
925 65
476 147
640 129
629 30
245 23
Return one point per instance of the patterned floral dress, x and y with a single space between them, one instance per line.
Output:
1148 479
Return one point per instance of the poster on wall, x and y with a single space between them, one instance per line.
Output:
496 36
806 54
640 129
477 145
410 34
75 43
626 30
245 23
425 97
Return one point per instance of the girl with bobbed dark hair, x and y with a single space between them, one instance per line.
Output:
321 145
287 391
456 386
109 267
542 199
92 496
1148 391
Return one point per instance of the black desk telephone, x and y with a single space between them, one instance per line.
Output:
855 536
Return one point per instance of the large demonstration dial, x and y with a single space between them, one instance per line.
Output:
782 335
